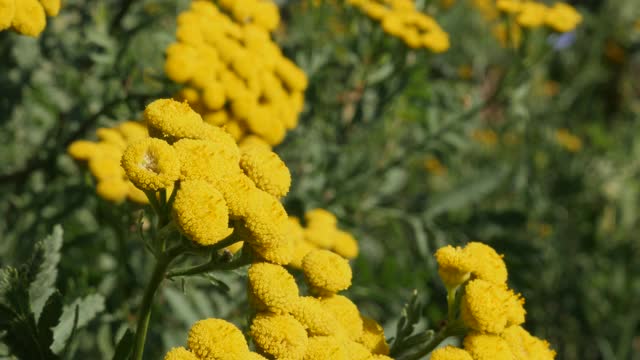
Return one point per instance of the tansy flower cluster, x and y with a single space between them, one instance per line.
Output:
27 17
320 326
560 17
400 18
103 160
234 75
492 313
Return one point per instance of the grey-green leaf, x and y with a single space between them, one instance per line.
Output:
44 284
88 307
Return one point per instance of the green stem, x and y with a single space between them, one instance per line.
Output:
452 329
147 300
211 266
451 302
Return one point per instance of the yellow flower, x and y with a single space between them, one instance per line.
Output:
181 63
214 96
29 18
373 337
252 140
345 245
266 15
294 78
355 351
568 141
310 312
206 160
7 12
280 336
136 195
532 14
112 189
300 250
325 348
454 267
280 254
81 149
254 356
111 136
486 263
326 271
346 312
562 17
272 288
236 190
151 164
217 339
266 169
133 130
436 41
450 353
515 310
105 167
484 306
379 357
172 120
526 346
51 7
201 212
488 347
509 6
180 353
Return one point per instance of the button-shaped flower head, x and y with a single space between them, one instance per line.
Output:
562 17
486 263
205 160
172 120
326 271
217 339
151 164
345 245
373 337
325 348
450 353
310 312
488 347
266 169
279 335
272 288
201 213
180 353
484 306
29 17
347 314
526 346
454 267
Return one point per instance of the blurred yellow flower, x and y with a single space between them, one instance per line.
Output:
27 17
562 17
567 140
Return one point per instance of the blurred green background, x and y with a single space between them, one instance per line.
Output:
532 151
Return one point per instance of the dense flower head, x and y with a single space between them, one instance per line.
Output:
272 288
355 350
562 17
325 348
347 314
532 14
171 120
266 169
206 160
486 263
373 337
201 213
234 75
103 160
27 17
217 339
526 346
453 267
326 272
402 20
180 353
484 306
151 164
310 312
487 347
279 335
450 353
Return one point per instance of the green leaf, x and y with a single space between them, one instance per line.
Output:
49 318
465 194
47 254
87 308
124 347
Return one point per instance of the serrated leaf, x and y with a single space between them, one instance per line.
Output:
124 347
87 307
44 283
